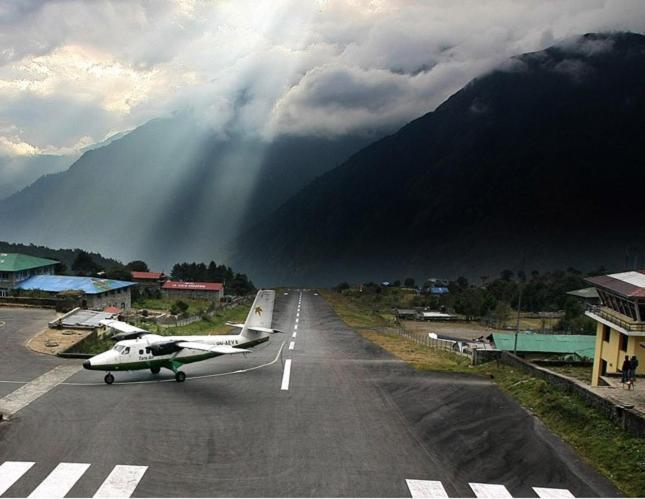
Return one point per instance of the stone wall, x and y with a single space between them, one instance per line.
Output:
60 305
628 419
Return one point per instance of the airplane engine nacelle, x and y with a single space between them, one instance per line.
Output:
164 348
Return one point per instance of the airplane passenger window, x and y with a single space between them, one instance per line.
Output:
140 352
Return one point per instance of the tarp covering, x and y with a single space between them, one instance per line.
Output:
59 283
580 344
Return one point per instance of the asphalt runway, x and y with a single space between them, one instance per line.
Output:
346 419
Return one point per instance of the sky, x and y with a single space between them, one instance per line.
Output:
72 73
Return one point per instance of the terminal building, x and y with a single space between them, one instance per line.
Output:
620 318
16 268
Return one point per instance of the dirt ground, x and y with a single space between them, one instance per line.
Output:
54 341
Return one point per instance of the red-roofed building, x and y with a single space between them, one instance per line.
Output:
213 291
149 282
148 276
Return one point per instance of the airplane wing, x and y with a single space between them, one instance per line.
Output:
223 349
126 331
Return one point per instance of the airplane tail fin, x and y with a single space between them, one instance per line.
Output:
258 322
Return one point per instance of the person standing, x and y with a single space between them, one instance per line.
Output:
626 369
633 364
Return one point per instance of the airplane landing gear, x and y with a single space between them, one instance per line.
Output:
155 370
180 376
109 379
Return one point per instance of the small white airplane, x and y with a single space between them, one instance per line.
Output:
138 349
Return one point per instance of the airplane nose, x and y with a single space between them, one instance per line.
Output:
87 364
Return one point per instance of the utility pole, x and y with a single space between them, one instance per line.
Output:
519 307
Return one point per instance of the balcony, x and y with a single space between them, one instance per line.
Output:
615 320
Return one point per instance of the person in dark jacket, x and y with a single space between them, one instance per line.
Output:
627 365
633 364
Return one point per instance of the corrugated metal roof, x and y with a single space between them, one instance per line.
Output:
58 283
583 345
193 286
85 318
627 284
15 262
147 275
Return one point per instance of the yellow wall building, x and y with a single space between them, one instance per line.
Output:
621 322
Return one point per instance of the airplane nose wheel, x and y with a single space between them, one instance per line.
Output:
109 379
180 376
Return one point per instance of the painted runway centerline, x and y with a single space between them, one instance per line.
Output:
291 345
286 375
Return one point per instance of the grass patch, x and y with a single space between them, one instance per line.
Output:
93 345
616 454
577 372
420 356
195 307
356 314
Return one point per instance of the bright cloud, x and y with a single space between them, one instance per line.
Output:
71 71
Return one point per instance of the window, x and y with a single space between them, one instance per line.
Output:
119 348
147 349
623 342
140 352
126 351
606 332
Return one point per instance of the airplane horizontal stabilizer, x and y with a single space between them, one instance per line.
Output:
233 324
222 349
264 329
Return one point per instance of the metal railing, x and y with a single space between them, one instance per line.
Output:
436 343
613 317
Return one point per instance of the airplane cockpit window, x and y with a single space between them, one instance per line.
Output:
119 348
126 351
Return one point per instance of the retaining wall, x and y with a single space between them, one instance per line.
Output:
628 419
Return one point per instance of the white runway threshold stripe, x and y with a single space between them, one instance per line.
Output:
490 490
10 473
60 481
286 374
555 493
426 488
122 481
26 394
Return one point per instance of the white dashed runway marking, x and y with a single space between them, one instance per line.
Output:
286 374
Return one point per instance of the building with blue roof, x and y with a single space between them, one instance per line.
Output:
96 293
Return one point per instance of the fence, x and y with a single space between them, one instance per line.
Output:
436 343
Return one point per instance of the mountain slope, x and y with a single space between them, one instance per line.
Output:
168 191
540 160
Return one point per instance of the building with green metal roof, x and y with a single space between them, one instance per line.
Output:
17 267
578 344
